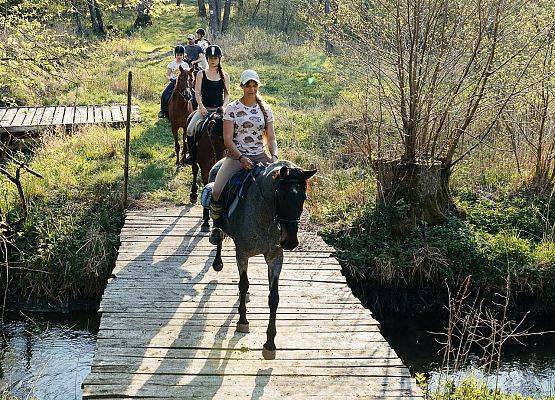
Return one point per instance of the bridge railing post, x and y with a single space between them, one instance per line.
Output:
127 140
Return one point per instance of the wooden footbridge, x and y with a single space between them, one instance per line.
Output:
168 324
28 119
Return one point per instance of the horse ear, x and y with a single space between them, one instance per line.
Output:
283 172
181 68
307 174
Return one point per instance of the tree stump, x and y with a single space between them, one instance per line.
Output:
417 192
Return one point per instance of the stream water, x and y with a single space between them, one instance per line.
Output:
49 355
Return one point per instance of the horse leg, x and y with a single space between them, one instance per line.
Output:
205 227
243 324
194 188
175 133
184 148
218 264
274 268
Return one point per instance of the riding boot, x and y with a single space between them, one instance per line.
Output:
192 153
216 209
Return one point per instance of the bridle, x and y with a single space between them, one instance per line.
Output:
187 87
278 220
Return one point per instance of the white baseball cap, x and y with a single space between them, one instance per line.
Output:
249 75
190 36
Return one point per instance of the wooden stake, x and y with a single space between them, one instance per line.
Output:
127 140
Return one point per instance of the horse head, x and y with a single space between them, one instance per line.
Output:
185 83
289 197
215 123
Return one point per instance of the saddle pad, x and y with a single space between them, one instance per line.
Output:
238 187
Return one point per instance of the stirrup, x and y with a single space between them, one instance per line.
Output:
215 236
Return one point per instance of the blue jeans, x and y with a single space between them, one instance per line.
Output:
166 94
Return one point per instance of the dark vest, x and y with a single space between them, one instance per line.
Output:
212 92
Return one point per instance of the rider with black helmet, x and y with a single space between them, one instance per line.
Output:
211 93
201 40
172 71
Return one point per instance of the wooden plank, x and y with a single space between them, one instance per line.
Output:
29 117
38 116
8 117
234 387
97 114
380 351
68 115
19 117
58 118
90 114
117 116
47 116
106 114
80 116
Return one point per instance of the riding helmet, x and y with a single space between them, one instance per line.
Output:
201 32
213 51
179 50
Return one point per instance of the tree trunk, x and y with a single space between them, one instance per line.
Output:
178 2
77 18
327 10
415 192
267 13
143 15
214 20
201 8
227 12
92 12
98 12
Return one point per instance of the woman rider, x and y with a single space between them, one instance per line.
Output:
211 93
246 121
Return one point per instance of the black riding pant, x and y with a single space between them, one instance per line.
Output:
166 94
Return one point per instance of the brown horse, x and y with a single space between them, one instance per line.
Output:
209 149
179 109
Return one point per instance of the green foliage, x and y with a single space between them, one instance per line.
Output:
471 389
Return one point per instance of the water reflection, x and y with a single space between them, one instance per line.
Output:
528 369
47 356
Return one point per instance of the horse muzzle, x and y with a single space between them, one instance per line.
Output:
288 237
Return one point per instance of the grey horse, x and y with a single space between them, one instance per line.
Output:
265 222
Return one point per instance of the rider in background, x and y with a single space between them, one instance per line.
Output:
248 125
195 53
211 93
172 71
204 43
201 40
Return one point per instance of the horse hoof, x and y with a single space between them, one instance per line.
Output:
268 354
242 328
218 265
205 228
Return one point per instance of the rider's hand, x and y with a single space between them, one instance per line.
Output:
246 163
203 111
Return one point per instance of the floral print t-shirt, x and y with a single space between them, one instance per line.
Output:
248 126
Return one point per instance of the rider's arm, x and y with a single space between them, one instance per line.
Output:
271 140
228 140
168 73
198 89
